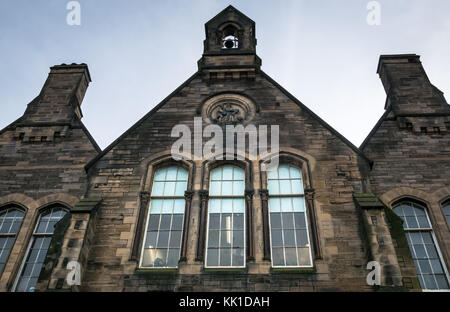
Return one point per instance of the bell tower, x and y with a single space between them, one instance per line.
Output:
229 47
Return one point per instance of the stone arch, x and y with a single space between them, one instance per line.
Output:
66 199
22 200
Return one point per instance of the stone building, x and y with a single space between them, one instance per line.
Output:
141 216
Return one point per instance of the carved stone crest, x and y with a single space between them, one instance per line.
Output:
228 109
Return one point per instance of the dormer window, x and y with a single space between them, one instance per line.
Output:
229 38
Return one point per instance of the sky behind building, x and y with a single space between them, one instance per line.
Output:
323 52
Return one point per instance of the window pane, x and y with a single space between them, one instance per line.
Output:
173 257
182 175
158 189
175 239
160 175
285 187
214 221
165 222
274 205
288 220
227 173
177 222
215 188
238 239
277 238
283 172
150 241
213 239
238 221
227 188
179 206
304 256
238 257
291 256
216 174
169 189
171 174
277 257
238 205
153 223
286 204
214 205
180 188
289 238
167 206
273 187
275 220
163 239
155 206
225 257
212 258
227 205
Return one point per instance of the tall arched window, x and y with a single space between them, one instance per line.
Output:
446 208
164 228
38 247
289 234
225 242
11 218
423 245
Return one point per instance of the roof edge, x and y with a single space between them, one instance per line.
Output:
320 120
139 122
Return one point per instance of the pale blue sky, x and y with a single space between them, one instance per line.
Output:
139 51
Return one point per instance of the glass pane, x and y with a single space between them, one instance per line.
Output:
214 205
277 256
214 221
216 174
277 238
238 221
160 258
291 256
429 281
289 238
238 188
153 223
180 188
158 189
163 239
304 256
169 189
213 239
173 257
215 188
272 174
274 205
297 187
238 174
285 187
412 222
273 187
179 206
238 257
225 256
227 173
225 238
150 241
212 258
160 175
238 205
227 205
283 172
286 204
182 175
171 174
299 218
275 220
177 222
423 222
175 239
288 220
238 239
165 222
294 173
299 204
155 206
227 188
226 221
302 238
167 206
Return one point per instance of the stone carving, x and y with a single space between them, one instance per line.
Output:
227 114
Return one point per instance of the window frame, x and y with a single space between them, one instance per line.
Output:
6 208
210 197
446 204
424 207
33 238
307 221
151 198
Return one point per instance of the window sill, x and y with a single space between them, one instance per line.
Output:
311 270
225 270
156 271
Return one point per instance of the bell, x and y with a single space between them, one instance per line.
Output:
229 44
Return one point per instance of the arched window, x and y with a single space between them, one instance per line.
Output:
289 234
422 243
230 38
38 247
225 242
446 208
11 218
165 219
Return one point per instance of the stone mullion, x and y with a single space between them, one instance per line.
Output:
144 201
249 204
204 196
187 216
265 223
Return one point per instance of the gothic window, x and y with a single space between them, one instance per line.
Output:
11 219
38 247
446 209
289 234
225 243
422 243
164 228
230 38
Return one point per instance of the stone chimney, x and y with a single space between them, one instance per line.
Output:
408 88
61 96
